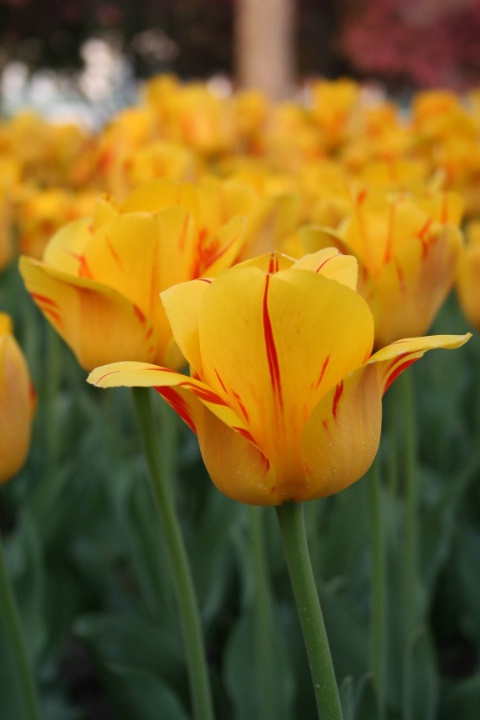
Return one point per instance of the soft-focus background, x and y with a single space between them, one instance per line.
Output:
67 56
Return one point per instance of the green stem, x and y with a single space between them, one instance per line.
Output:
264 627
179 565
379 585
411 541
292 527
17 642
51 399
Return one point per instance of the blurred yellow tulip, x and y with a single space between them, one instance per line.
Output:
468 276
100 278
284 392
17 400
408 249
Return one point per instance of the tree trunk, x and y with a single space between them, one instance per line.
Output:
264 39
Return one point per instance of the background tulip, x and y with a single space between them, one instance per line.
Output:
468 278
16 403
100 279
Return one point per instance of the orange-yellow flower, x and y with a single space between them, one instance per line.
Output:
284 393
468 278
16 403
100 279
408 250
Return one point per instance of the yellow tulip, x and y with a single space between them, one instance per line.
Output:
468 278
100 278
408 249
284 392
16 403
42 212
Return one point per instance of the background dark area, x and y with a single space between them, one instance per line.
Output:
409 42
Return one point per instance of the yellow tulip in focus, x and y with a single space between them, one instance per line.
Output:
284 392
100 278
17 402
468 278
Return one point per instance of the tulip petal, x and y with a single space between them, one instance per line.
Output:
65 249
392 360
408 291
333 264
341 437
15 408
97 323
237 467
282 347
183 393
182 303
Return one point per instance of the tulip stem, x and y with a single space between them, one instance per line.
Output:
411 542
379 586
292 528
13 626
264 625
179 565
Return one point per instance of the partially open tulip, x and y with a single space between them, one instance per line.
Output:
100 278
16 403
408 249
284 393
468 279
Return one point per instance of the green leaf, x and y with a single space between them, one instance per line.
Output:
132 642
462 701
141 695
242 672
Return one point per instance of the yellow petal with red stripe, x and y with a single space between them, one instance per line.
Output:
272 345
97 323
341 437
392 360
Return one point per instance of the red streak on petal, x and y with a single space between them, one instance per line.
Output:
322 372
149 333
244 433
272 356
362 196
220 381
112 372
114 253
326 261
397 371
203 393
325 424
422 235
390 226
336 398
241 406
178 404
83 269
139 314
401 277
273 264
54 315
216 252
44 300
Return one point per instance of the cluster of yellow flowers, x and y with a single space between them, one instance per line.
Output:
286 354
